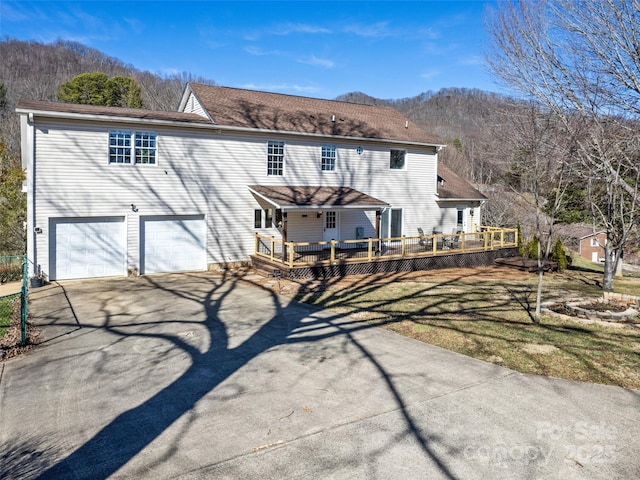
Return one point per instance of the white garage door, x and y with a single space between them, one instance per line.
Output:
172 244
87 247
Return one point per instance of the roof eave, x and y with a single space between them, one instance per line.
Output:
109 118
207 125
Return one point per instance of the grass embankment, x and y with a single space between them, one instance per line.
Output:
486 313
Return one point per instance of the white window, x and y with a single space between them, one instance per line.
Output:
145 144
397 159
594 242
275 158
328 163
120 147
272 218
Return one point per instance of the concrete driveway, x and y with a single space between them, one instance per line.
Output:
200 376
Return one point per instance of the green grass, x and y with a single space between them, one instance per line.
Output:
6 312
486 314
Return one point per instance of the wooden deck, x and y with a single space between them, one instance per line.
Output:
389 254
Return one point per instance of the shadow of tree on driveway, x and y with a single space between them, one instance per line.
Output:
129 433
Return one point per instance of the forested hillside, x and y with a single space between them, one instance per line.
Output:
35 71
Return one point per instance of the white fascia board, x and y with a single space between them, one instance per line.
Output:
209 126
317 207
185 96
460 199
266 199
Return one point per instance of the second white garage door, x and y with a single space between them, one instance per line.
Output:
172 244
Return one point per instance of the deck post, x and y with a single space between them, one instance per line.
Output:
256 245
291 252
486 240
272 248
462 235
404 245
378 217
501 238
333 251
370 250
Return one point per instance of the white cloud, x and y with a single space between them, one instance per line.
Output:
289 28
429 74
471 60
259 52
377 30
320 62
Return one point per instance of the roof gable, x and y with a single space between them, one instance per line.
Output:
452 187
289 113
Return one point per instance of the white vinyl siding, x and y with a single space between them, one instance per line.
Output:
193 106
208 172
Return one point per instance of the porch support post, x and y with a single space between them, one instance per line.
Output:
378 215
284 227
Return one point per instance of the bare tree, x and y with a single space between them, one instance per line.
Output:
540 168
583 65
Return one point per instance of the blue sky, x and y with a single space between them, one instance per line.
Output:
319 49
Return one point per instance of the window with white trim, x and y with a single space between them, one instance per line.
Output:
397 159
328 162
594 242
119 146
122 142
275 158
257 218
145 145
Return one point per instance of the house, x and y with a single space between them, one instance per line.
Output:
117 191
586 240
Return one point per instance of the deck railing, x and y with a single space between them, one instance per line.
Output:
300 254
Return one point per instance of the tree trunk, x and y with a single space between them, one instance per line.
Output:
536 317
609 267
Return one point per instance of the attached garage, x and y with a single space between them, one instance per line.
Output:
172 244
87 247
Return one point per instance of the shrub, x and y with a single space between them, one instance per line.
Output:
558 255
531 249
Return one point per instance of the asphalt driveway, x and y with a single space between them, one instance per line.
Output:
202 376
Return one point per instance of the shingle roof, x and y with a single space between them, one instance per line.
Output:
577 230
273 111
37 105
310 196
454 187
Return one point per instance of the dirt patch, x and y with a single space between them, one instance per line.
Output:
10 342
537 349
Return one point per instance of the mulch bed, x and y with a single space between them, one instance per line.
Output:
10 342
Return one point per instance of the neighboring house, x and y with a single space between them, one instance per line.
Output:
116 190
584 239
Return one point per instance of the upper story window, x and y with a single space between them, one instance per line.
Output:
125 146
328 163
275 158
397 159
145 147
594 242
119 147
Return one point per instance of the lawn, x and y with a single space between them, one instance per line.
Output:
6 312
485 313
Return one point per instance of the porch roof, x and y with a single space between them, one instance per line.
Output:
316 197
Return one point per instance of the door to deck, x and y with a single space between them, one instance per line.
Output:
330 226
